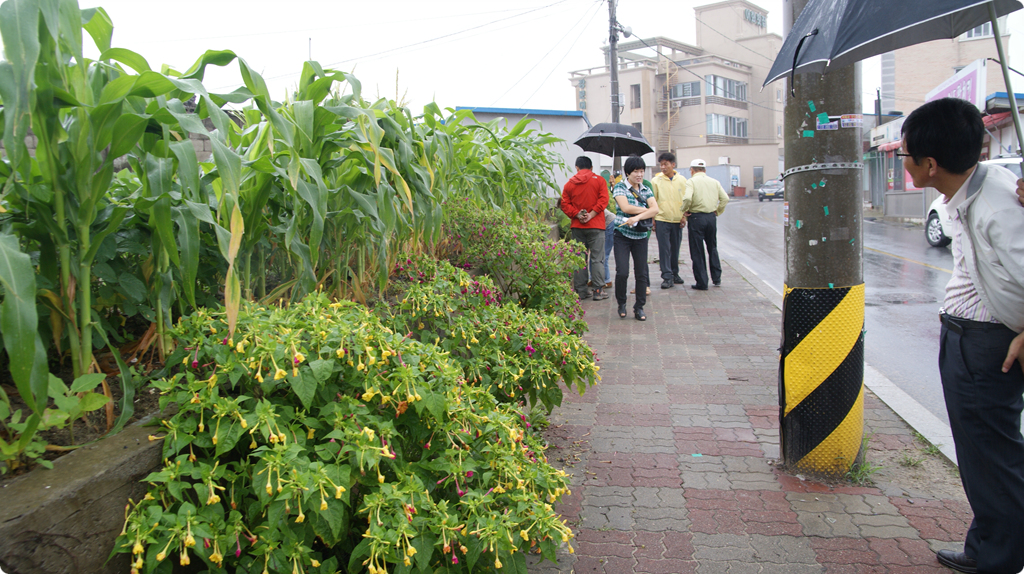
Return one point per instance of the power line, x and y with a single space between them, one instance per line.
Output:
734 41
698 76
440 37
542 58
555 67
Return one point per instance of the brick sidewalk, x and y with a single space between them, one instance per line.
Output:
672 455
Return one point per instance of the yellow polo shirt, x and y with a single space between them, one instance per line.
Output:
669 193
705 195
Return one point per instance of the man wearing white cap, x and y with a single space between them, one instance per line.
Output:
705 200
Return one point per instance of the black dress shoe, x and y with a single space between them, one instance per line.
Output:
622 310
678 280
698 287
718 283
639 314
666 284
957 561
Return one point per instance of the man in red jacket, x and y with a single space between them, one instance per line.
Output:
584 198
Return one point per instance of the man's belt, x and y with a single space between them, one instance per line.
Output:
958 325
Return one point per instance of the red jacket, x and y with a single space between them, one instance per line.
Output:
585 191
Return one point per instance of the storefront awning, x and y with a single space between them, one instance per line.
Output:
890 146
995 119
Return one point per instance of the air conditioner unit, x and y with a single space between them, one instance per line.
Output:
677 104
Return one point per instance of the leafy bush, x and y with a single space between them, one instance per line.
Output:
314 418
526 266
512 352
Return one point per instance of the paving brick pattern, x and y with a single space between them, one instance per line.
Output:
672 456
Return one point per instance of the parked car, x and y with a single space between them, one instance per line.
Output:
771 189
939 227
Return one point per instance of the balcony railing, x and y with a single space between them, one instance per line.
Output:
665 105
726 102
717 139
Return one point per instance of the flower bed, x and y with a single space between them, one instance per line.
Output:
315 418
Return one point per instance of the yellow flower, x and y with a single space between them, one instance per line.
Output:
216 557
299 357
380 478
160 556
524 534
138 549
259 377
240 347
280 374
338 490
406 561
300 518
214 499
323 505
314 563
310 434
410 551
497 563
295 372
340 352
184 559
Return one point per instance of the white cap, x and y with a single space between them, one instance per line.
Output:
698 163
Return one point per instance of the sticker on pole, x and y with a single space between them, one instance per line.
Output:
851 121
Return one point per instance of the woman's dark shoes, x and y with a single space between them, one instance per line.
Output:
622 311
639 314
957 561
698 287
667 284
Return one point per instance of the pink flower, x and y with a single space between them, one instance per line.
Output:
469 474
455 559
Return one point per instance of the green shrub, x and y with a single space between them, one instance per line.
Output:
514 353
315 418
527 267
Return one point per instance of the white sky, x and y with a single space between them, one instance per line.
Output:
454 52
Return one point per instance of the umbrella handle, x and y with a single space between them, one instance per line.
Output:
796 54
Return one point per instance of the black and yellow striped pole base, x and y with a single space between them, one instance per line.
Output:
822 379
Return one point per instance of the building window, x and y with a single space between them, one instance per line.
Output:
639 127
726 88
758 176
634 100
983 31
685 90
723 125
778 95
778 130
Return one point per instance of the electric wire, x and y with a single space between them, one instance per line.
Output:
546 54
559 63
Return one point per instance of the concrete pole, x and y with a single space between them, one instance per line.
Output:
613 54
821 367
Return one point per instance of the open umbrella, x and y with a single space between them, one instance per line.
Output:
615 140
836 33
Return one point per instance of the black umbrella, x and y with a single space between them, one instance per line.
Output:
615 140
836 33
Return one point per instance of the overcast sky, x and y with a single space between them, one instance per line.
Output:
454 52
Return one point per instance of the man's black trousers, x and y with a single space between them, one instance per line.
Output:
670 237
703 230
984 406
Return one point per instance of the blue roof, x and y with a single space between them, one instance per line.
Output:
1003 95
523 111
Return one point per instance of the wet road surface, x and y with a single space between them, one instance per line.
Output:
905 280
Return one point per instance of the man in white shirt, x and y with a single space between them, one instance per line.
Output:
982 327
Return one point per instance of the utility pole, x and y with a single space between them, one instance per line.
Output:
821 370
613 54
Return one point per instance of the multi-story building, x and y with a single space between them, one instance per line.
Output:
700 100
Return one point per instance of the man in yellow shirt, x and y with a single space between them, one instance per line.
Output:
669 191
705 200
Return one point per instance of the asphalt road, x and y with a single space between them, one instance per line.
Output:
904 278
